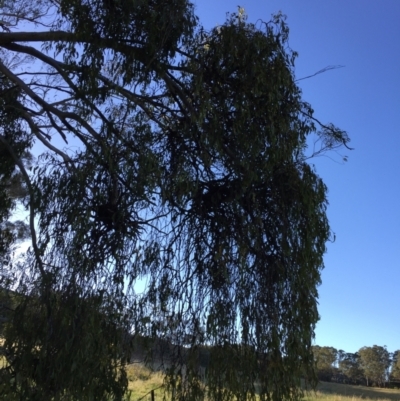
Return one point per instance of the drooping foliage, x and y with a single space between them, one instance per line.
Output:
173 204
12 186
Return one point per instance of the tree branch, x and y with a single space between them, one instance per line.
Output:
21 167
328 68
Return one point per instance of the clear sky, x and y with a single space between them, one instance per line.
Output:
359 299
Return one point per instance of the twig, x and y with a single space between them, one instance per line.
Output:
328 68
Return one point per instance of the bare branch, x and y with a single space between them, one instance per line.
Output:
41 136
328 68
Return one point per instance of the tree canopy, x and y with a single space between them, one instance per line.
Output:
395 368
172 199
370 366
375 362
325 358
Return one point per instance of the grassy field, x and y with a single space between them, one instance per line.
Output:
347 392
142 381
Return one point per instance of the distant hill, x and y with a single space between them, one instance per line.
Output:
159 354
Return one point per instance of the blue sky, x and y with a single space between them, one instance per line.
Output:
359 299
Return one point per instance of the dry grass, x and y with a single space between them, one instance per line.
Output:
3 362
347 392
142 380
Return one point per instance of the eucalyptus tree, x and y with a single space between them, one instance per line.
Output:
395 366
375 362
175 186
350 367
12 185
325 360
